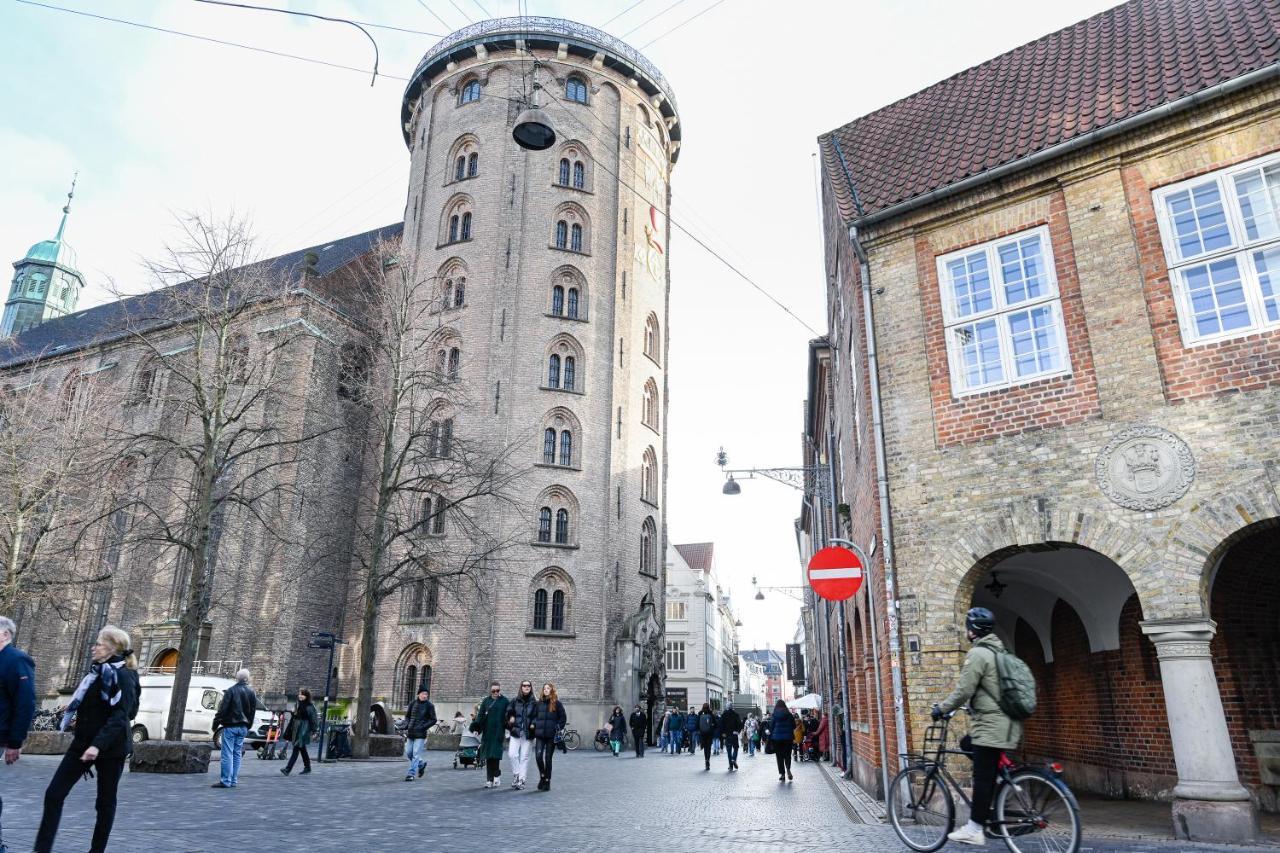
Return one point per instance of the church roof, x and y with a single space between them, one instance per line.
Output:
104 323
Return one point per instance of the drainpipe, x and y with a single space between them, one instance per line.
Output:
846 735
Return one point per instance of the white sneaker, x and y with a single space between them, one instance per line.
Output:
497 783
967 834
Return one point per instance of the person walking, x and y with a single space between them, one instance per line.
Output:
17 698
798 738
639 730
707 725
824 735
306 722
520 714
491 723
782 732
459 723
991 730
234 717
752 731
730 729
676 731
418 720
104 703
617 730
548 719
691 730
662 730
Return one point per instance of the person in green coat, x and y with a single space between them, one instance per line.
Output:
491 724
991 730
306 722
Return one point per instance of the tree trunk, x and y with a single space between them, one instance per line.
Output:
364 690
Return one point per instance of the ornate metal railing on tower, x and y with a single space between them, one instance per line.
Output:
539 25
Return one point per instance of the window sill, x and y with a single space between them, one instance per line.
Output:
424 620
565 249
562 390
565 635
448 243
450 310
556 467
429 535
566 317
561 545
653 575
560 186
1008 386
461 180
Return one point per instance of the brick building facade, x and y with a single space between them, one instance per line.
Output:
1053 358
552 275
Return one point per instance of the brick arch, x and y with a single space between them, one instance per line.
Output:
1197 541
1039 522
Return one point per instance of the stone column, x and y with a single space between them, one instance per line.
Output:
1209 802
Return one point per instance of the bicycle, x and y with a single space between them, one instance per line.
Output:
1034 809
570 738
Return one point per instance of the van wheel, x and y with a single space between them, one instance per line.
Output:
139 734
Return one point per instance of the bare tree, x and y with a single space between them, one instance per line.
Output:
433 507
53 472
215 420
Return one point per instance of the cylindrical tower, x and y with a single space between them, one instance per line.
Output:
563 333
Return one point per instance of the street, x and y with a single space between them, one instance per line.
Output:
598 803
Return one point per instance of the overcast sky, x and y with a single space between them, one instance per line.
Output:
156 123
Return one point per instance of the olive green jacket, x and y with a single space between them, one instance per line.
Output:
979 686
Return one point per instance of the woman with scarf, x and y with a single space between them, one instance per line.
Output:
306 722
104 704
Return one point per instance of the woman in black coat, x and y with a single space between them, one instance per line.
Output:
782 733
548 719
104 704
617 730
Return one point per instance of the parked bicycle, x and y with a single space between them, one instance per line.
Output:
47 719
1034 809
601 741
570 738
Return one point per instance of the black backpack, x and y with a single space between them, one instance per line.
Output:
706 723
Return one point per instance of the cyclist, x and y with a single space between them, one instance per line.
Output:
991 731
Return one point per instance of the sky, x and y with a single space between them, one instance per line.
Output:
157 124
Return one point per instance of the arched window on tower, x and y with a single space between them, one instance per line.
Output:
549 446
652 337
648 542
553 371
557 610
473 164
570 372
466 226
455 362
575 237
562 234
453 228
579 176
649 405
470 92
649 476
566 447
557 300
544 524
573 303
460 168
575 89
540 610
459 292
564 172
562 526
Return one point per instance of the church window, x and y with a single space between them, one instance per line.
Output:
573 303
544 524
649 405
421 601
557 300
466 226
564 172
453 228
649 476
648 548
566 447
562 234
557 610
579 176
575 238
652 337
549 447
562 526
553 371
460 169
470 92
473 164
353 371
455 362
540 610
570 372
575 89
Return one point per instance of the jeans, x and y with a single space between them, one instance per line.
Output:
544 752
299 749
662 742
986 763
615 745
232 751
695 741
731 749
715 746
751 746
782 752
639 739
415 750
70 771
518 752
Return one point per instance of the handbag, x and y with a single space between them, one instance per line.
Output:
768 747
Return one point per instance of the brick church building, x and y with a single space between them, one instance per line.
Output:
1051 387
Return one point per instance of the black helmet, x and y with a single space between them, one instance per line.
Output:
979 621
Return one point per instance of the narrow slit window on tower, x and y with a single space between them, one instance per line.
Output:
575 238
570 372
566 448
549 446
579 176
553 371
562 234
473 165
460 169
564 172
557 300
573 303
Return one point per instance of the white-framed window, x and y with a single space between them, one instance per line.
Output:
677 610
1221 236
675 656
1002 313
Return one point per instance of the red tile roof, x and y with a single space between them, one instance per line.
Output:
698 555
1117 64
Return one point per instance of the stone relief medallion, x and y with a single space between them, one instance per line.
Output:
1145 468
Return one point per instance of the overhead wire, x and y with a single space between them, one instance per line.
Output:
442 21
685 22
482 9
467 17
652 18
620 14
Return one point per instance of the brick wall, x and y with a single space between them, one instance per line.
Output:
1050 402
1102 714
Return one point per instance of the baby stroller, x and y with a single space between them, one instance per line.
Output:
468 747
809 747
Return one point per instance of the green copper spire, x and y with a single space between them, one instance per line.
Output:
66 210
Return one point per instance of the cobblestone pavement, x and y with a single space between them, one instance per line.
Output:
598 803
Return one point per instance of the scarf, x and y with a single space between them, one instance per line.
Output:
108 677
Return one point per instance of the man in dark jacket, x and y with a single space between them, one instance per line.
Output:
639 729
691 730
730 728
17 697
675 731
234 717
418 721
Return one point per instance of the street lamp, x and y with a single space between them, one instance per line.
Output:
731 487
805 478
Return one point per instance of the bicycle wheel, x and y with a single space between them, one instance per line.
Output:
601 745
921 808
572 740
1035 815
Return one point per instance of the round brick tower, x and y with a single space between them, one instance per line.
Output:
562 256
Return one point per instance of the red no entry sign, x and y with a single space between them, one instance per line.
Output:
835 573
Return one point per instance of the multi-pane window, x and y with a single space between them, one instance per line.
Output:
564 172
575 237
557 300
550 442
455 362
1002 313
562 234
470 92
544 524
1221 236
579 176
440 438
549 446
557 610
576 90
572 310
648 555
649 476
677 610
466 226
473 164
570 372
453 228
649 405
553 371
566 447
421 599
562 526
540 610
675 655
652 339
431 520
460 168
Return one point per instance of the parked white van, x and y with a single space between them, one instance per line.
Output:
203 697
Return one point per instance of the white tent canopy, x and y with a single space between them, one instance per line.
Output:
807 702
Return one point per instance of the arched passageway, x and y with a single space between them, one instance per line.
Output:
1073 615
